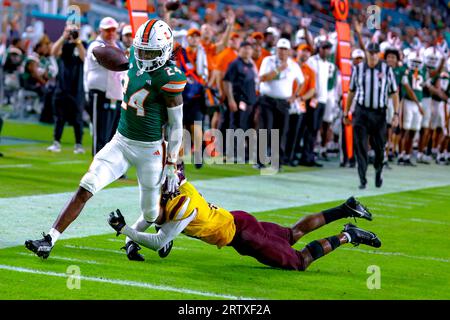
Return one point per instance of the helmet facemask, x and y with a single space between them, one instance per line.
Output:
150 59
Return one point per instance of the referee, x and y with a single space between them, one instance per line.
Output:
371 84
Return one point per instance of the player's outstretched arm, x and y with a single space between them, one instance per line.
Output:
155 241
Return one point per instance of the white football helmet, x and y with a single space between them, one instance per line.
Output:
153 45
414 60
432 57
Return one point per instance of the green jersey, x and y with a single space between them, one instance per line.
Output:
416 80
398 72
443 84
144 112
332 78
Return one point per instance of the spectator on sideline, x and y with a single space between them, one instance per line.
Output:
277 75
104 87
69 98
314 113
297 121
192 61
240 88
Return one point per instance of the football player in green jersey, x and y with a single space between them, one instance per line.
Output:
443 156
434 67
414 77
152 100
392 57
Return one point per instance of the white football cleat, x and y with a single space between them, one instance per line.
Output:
55 147
79 149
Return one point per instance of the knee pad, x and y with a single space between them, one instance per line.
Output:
315 249
90 182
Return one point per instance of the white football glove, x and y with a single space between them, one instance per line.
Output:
170 174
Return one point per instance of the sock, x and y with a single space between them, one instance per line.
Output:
419 156
335 213
54 234
347 235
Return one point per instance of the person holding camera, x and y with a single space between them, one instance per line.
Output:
69 93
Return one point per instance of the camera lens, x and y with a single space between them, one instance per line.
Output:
74 34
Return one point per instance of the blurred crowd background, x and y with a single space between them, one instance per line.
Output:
221 45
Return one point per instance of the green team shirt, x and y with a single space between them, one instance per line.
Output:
398 73
429 79
444 84
332 78
144 112
416 83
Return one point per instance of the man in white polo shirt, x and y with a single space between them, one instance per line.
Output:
104 88
277 75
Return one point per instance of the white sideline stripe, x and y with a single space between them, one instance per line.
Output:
127 283
93 249
111 250
375 215
398 254
395 254
25 165
69 162
62 258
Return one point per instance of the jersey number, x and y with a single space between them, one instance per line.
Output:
137 101
170 72
417 83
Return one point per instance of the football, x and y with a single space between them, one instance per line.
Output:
172 5
112 58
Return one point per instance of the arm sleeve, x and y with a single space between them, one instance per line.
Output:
174 132
155 241
353 78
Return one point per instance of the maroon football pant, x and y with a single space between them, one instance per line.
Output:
267 242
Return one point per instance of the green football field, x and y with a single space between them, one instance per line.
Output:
411 217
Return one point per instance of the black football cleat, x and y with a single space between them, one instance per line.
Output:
378 179
132 249
41 247
357 210
164 251
359 236
116 221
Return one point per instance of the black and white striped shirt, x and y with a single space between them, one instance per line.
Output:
372 86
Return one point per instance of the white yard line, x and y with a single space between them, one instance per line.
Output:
128 283
397 254
62 258
394 254
69 162
6 166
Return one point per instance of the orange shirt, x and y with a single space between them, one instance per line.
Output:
224 58
310 78
210 50
264 53
191 55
